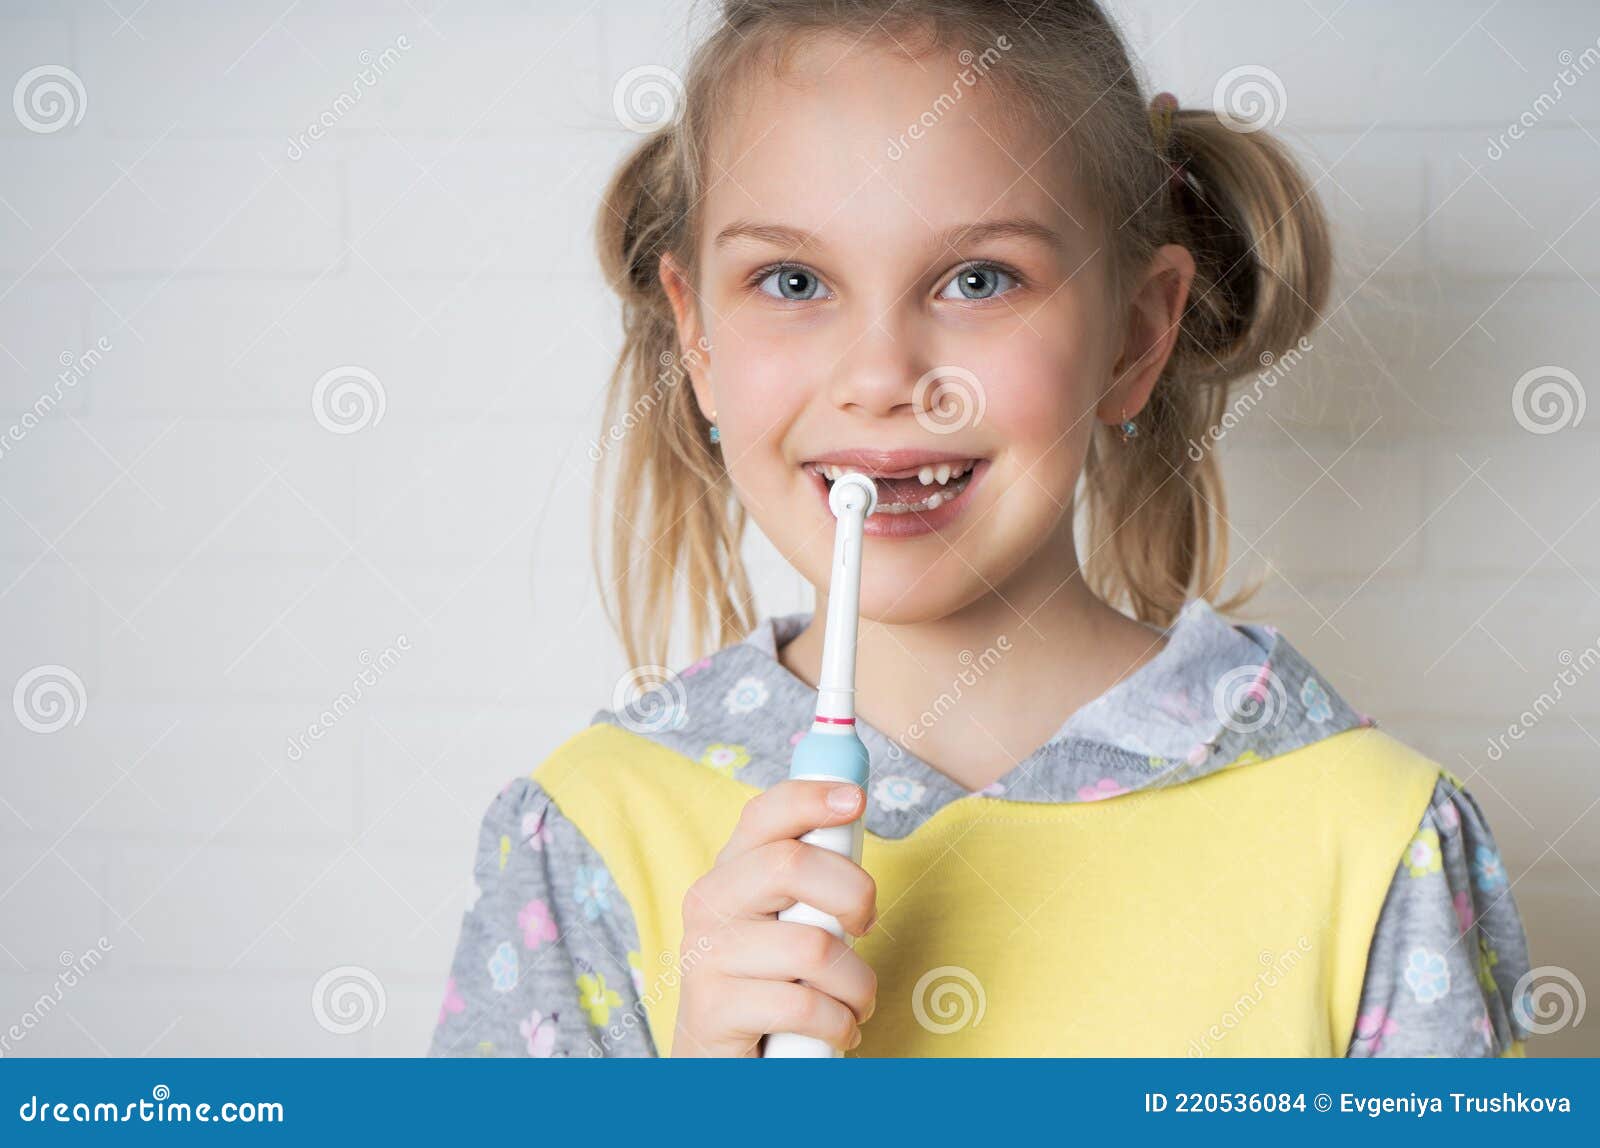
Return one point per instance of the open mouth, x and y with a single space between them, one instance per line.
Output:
919 492
915 490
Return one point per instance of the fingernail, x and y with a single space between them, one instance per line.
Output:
856 1039
843 798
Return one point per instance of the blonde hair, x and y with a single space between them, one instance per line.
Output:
1156 515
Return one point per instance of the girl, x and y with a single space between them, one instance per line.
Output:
949 243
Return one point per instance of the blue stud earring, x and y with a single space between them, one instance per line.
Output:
1130 429
716 435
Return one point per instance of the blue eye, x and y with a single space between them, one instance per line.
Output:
978 281
792 283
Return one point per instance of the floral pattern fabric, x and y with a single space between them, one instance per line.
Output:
1443 969
548 961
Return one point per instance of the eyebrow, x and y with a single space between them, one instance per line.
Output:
970 233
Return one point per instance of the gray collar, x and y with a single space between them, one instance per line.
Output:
1216 695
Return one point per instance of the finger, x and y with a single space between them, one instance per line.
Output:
791 951
778 874
791 809
754 1008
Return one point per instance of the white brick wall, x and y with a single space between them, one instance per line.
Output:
212 563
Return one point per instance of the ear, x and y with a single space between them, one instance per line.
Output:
1151 332
694 350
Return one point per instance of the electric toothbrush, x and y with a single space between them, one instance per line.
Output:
831 749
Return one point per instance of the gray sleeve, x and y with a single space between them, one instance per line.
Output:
1449 948
547 963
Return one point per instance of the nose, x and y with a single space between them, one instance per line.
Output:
876 373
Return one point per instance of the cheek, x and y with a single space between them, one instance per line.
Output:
759 389
760 377
1041 404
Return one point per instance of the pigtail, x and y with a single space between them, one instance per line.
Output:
1245 210
662 496
1252 220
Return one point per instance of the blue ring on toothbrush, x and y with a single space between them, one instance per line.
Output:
841 756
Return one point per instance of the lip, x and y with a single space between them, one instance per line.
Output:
900 464
888 463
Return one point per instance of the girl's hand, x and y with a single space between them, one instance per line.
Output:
744 972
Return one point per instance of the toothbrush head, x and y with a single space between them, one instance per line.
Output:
853 492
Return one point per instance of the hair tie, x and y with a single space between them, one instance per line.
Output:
1162 107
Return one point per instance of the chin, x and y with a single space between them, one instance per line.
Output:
907 597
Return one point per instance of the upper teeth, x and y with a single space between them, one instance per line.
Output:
928 475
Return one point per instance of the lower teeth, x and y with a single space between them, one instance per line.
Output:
935 500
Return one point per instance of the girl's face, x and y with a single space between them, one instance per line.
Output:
900 306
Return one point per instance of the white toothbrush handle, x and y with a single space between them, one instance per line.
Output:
846 841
